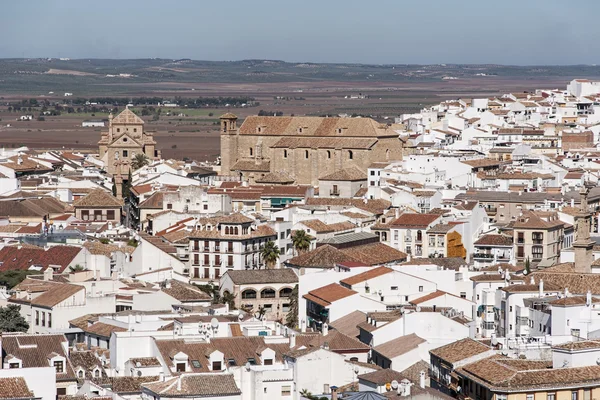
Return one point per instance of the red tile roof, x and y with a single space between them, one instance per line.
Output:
408 220
15 258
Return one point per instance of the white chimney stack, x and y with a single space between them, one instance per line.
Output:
422 379
292 340
325 329
179 383
541 288
303 326
588 298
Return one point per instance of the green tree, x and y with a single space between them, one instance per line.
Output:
291 319
11 319
139 161
301 241
270 254
228 298
12 278
527 266
114 188
77 268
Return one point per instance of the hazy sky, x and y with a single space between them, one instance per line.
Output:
375 31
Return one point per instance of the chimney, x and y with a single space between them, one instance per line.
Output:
541 288
277 329
292 340
422 379
572 202
48 274
588 298
161 376
566 292
325 329
334 393
303 326
179 384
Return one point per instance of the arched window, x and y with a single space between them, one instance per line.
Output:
237 231
251 151
97 373
285 292
284 153
117 154
354 359
80 374
419 236
387 155
350 155
328 154
249 294
227 230
305 153
267 294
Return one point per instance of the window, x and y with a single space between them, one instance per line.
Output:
216 366
80 374
13 365
249 294
328 154
420 288
196 364
286 390
110 214
134 130
394 288
49 320
252 361
269 361
520 237
205 206
37 318
231 362
284 153
43 319
305 153
538 237
285 292
501 396
350 155
510 308
125 152
97 373
118 130
574 395
180 367
267 294
251 151
169 206
551 396
537 252
59 367
463 295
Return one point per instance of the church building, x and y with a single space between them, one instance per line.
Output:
125 138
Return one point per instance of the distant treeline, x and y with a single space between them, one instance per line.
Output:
196 102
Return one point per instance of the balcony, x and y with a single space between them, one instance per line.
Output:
334 192
483 256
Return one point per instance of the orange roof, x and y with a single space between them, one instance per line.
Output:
328 294
365 276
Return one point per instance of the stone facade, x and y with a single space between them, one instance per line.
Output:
306 148
125 138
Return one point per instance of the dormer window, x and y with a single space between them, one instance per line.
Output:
80 374
299 130
217 365
231 362
258 129
97 373
180 367
339 130
59 366
118 130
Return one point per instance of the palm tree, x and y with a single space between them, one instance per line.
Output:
291 319
270 254
301 240
77 268
139 160
228 298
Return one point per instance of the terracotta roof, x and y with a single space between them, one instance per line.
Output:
98 198
260 231
263 276
573 301
460 350
441 228
228 115
430 296
327 256
87 361
335 340
236 218
375 206
33 351
125 384
533 220
482 162
529 288
320 227
580 345
145 361
365 276
32 207
154 201
575 282
15 388
398 346
328 294
197 385
15 258
251 165
409 220
276 177
103 329
325 143
348 323
494 240
56 294
381 377
348 174
184 292
98 248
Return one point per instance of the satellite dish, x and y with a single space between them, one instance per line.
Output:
139 373
138 364
240 316
418 309
214 323
394 384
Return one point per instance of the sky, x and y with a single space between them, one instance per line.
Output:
515 32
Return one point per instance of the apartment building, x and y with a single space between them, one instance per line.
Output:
538 236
